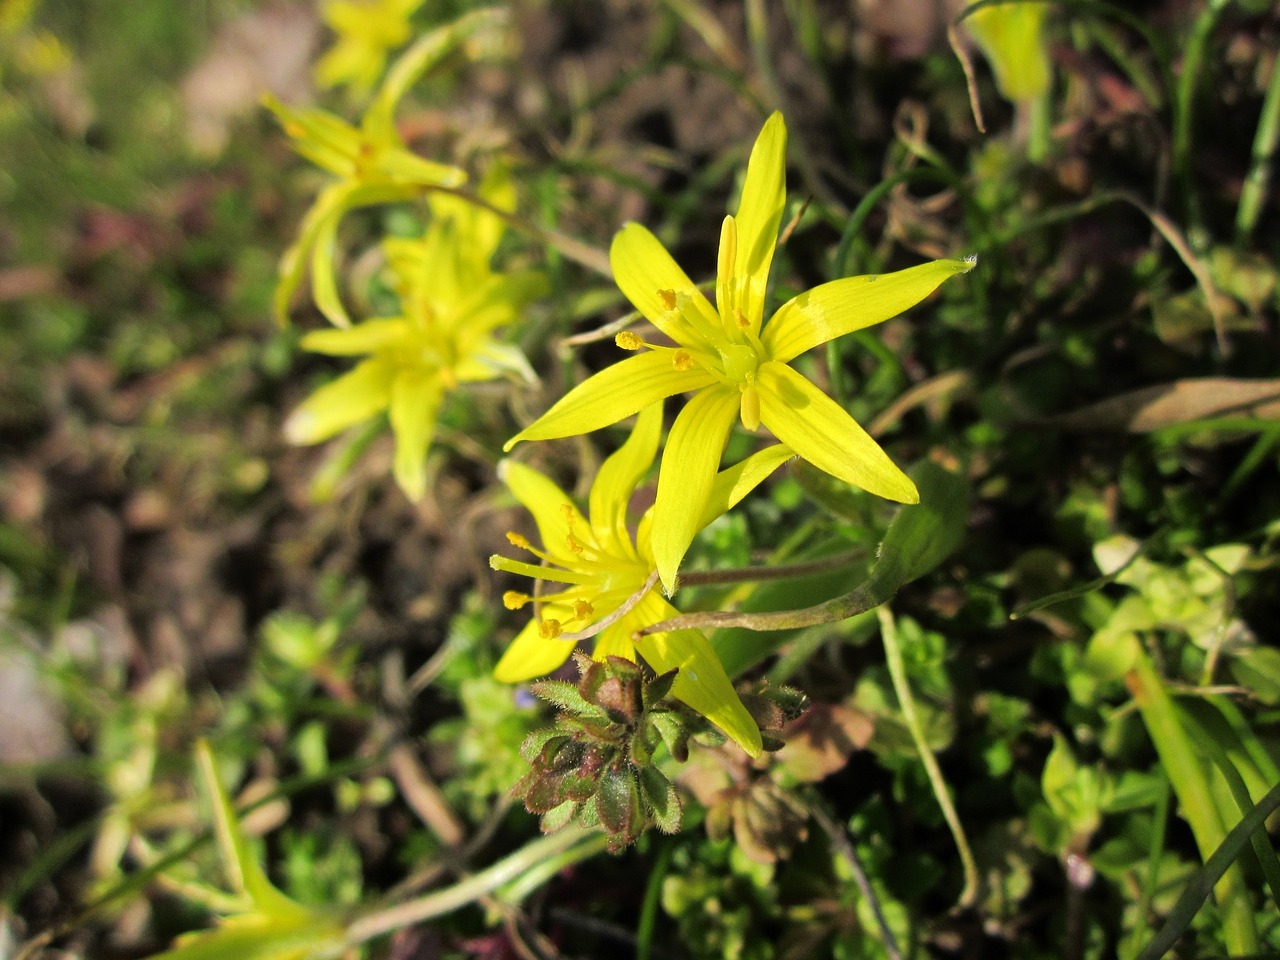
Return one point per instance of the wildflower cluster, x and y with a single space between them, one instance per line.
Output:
733 359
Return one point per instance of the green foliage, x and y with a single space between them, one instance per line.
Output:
1064 744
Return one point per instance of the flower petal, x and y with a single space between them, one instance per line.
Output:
531 656
353 397
687 474
368 337
548 504
613 394
331 203
642 267
415 400
764 194
842 306
618 478
493 359
702 682
820 431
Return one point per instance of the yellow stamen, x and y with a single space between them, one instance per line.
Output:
582 609
628 340
516 540
668 298
574 545
514 600
682 360
743 322
549 629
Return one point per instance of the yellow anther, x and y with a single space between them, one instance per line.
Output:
582 609
682 360
549 629
517 540
574 545
743 322
514 600
566 511
668 298
628 340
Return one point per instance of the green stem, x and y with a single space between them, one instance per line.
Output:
571 248
1195 798
898 671
1184 98
1038 126
785 571
1254 190
440 902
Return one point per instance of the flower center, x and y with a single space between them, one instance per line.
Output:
596 582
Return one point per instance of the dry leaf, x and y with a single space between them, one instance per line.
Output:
1142 411
821 741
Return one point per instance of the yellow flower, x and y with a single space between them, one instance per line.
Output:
367 30
451 303
736 364
1011 36
609 584
372 163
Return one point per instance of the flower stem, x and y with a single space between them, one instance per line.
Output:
898 671
440 902
571 248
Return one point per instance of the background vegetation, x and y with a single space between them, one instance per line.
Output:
1093 663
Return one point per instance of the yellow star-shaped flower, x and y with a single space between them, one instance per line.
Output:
609 587
735 364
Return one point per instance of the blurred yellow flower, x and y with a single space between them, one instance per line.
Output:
372 163
367 31
451 304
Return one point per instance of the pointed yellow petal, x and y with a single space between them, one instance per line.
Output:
531 656
330 205
493 359
353 397
842 306
548 504
619 476
415 400
660 290
820 431
368 337
688 472
614 394
701 683
764 195
406 167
